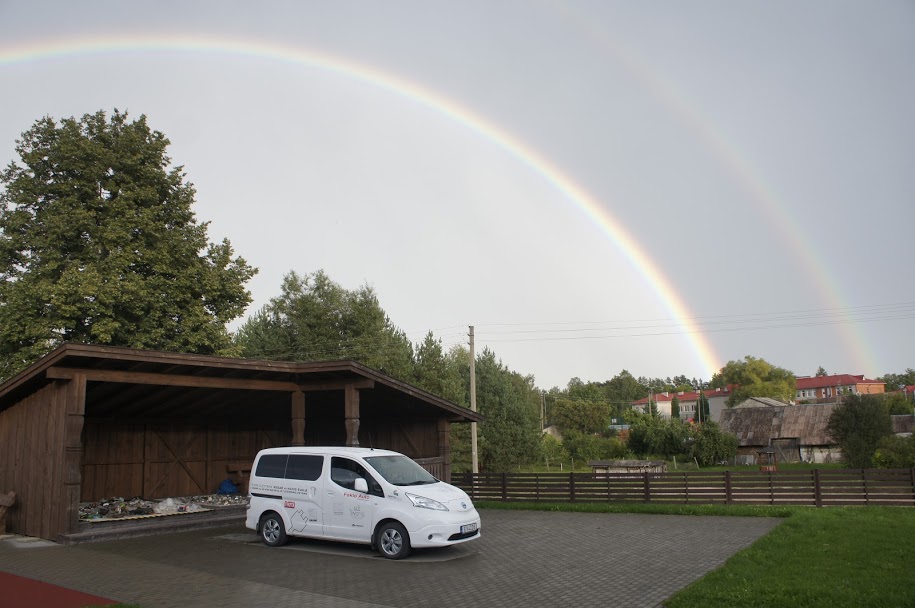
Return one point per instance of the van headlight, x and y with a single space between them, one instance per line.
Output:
425 503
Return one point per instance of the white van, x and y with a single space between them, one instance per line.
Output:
358 495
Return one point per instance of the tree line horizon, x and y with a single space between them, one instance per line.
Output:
99 244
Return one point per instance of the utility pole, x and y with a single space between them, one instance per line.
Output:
543 409
473 406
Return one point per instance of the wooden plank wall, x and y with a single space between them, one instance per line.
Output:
415 438
32 447
158 460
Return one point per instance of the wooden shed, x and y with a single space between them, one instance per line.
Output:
89 422
796 432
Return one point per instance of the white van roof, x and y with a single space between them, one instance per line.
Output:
330 451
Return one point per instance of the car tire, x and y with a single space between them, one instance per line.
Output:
273 532
392 540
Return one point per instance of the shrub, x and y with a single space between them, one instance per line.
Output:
895 453
712 445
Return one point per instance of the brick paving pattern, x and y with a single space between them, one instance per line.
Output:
523 558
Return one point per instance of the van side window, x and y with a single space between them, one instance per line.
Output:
304 467
344 472
271 465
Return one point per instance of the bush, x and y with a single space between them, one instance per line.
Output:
712 445
583 447
895 453
654 435
858 424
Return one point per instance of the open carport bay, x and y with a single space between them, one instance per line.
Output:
523 558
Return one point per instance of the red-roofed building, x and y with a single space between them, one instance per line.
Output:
820 389
689 401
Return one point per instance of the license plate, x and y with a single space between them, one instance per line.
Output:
469 528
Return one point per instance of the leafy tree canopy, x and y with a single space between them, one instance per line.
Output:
581 416
315 319
821 371
858 424
711 445
757 378
98 244
894 381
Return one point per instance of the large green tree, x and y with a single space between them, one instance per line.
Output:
757 378
858 424
581 416
316 319
510 436
99 244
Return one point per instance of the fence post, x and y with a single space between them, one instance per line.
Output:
647 483
913 485
727 487
504 486
817 491
572 487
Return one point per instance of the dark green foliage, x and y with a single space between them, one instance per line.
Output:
757 378
315 319
572 415
894 381
858 424
654 436
895 452
587 446
98 244
511 434
675 407
711 445
897 404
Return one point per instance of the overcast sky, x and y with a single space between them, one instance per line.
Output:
660 187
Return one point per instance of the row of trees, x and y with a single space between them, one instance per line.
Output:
99 244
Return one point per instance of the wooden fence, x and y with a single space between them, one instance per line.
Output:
815 488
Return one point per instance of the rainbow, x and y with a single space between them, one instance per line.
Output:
628 246
763 195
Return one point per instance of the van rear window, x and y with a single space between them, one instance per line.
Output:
304 467
272 465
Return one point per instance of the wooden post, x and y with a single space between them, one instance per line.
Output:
727 488
73 449
647 484
504 486
572 486
298 418
351 413
444 448
817 493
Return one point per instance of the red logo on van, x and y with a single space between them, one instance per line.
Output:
289 504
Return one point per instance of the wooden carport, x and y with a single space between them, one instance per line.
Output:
89 422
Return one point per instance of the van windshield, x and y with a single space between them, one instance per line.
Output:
400 470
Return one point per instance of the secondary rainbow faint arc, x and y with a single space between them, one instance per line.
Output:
649 270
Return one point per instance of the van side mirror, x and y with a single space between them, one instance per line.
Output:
361 486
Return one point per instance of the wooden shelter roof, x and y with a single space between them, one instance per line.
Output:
126 382
758 426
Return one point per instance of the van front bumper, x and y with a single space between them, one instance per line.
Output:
442 535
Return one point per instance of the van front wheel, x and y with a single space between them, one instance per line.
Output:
273 532
392 540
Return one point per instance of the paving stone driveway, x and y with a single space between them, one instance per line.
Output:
524 558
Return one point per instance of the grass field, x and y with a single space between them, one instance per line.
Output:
829 557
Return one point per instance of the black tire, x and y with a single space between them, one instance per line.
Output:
273 532
392 540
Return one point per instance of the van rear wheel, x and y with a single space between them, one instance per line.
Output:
273 532
392 540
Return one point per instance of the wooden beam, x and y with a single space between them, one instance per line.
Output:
104 375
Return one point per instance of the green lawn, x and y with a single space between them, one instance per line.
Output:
833 557
829 557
